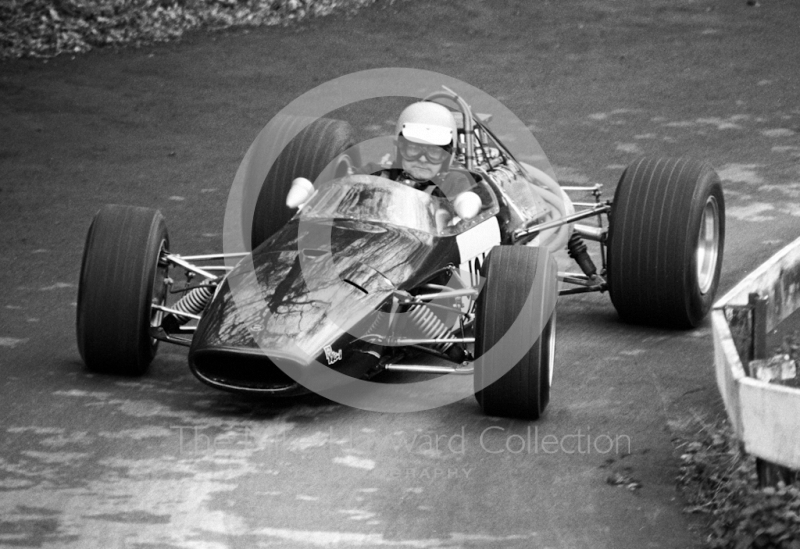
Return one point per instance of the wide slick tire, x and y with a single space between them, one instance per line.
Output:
307 155
515 331
122 275
666 239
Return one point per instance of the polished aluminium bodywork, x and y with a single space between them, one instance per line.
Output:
363 246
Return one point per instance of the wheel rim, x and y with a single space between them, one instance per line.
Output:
551 349
159 296
708 245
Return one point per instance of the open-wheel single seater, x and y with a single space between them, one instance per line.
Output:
370 275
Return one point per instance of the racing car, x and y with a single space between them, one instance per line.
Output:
365 275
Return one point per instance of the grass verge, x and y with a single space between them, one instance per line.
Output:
47 28
720 481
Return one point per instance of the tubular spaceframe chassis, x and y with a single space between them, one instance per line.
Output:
207 265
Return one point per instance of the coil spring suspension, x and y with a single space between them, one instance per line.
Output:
576 248
193 303
430 325
379 324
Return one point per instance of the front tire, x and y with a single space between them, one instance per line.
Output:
122 275
666 238
516 324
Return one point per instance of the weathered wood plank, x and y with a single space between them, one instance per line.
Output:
771 421
728 369
777 279
765 417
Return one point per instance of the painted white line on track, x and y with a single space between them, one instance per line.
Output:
741 173
751 212
11 342
356 462
58 286
777 132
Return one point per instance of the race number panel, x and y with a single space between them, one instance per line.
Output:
479 239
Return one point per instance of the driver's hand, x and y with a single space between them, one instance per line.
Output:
443 219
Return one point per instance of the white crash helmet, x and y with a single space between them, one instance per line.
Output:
427 123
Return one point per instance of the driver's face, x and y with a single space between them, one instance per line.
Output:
421 168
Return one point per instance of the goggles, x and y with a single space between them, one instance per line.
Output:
412 151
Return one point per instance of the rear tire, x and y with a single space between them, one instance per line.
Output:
507 330
666 238
307 155
121 276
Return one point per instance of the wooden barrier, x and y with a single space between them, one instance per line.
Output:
764 416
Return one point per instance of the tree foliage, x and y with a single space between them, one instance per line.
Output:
46 28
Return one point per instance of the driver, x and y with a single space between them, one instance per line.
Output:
426 140
426 135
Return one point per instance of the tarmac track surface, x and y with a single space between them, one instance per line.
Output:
162 461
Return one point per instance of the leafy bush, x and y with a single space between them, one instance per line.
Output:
720 481
46 28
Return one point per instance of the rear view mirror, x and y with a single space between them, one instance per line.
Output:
301 191
467 205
